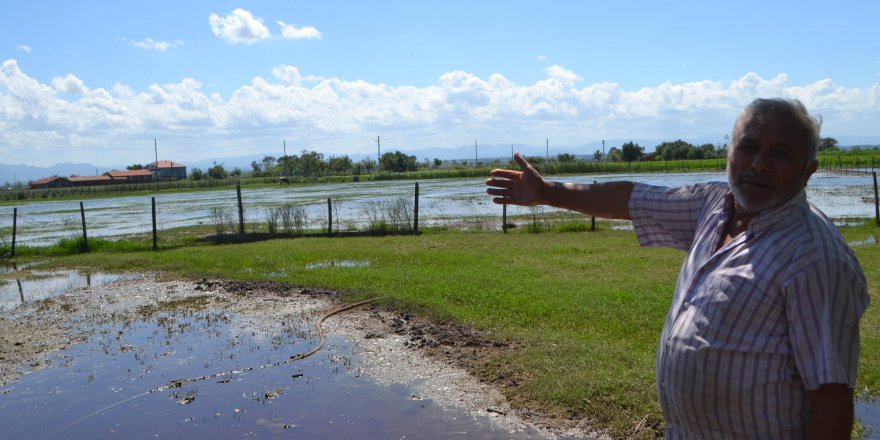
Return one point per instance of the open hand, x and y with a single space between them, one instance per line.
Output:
516 187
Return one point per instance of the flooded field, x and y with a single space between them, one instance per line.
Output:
135 358
451 202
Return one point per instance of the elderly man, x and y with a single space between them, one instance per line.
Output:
762 337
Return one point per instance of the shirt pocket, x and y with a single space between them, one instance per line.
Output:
741 315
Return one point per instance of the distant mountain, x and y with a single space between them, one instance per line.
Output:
27 173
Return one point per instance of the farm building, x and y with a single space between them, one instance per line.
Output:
49 182
168 170
89 180
131 176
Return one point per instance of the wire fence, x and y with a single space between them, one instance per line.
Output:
324 210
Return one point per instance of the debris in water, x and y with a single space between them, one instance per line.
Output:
269 395
187 400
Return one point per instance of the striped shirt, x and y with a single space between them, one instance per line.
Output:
755 324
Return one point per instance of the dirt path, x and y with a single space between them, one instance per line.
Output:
433 359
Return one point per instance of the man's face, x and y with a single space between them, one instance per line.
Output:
767 163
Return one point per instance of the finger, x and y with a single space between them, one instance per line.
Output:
502 200
499 192
505 174
521 161
501 183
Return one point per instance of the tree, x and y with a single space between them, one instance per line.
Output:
598 156
828 144
614 154
631 152
256 171
311 163
217 171
674 150
368 164
236 172
196 174
398 162
267 164
340 164
287 164
135 166
565 157
437 163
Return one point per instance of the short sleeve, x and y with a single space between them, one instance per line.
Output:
824 304
668 217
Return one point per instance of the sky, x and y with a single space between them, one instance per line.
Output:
99 81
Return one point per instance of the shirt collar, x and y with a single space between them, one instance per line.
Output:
769 217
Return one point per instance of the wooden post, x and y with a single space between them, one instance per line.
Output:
240 209
876 201
14 227
329 217
416 211
82 212
504 218
155 238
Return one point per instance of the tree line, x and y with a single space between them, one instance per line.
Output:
314 164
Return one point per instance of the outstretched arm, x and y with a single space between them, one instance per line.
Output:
528 188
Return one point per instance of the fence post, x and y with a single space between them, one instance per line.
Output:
240 209
82 212
876 201
14 227
504 218
416 211
593 218
329 217
155 239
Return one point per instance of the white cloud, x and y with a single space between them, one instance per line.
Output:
541 57
292 32
152 44
65 120
240 26
70 84
24 48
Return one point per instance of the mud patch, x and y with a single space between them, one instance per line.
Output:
429 360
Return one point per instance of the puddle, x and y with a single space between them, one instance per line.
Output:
337 263
39 285
98 388
868 413
11 266
867 241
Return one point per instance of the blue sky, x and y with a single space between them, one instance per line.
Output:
97 81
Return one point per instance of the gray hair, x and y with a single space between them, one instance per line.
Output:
791 109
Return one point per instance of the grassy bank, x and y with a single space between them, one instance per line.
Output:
588 307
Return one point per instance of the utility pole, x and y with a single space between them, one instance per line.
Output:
548 150
286 171
476 157
603 151
378 154
511 151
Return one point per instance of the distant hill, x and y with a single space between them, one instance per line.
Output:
27 173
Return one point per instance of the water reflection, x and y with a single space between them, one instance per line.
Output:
39 285
99 389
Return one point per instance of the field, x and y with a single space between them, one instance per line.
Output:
581 311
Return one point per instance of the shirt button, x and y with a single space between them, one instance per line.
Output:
686 304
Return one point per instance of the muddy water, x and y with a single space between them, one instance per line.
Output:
38 285
100 388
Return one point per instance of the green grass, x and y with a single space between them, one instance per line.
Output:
587 308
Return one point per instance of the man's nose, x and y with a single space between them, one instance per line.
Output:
759 161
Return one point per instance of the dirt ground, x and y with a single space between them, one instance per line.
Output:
435 359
